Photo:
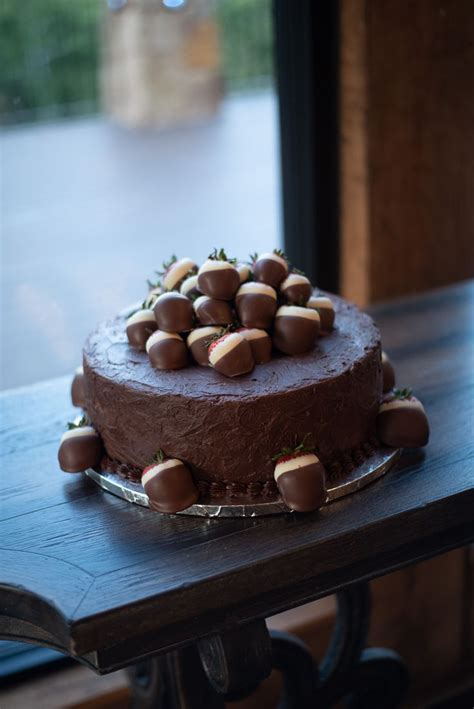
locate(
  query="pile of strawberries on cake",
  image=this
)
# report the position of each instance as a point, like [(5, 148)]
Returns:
[(228, 315)]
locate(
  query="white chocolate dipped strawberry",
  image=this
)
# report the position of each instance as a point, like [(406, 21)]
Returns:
[(153, 293), (139, 327), (260, 343), (296, 289), (177, 271), (402, 420), (167, 350), (231, 355), (388, 373), (80, 448), (174, 312), (198, 342), (189, 287), (256, 305), (295, 329), (77, 389), (218, 277), (169, 485), (325, 308), (210, 311), (243, 269), (270, 268), (301, 478)]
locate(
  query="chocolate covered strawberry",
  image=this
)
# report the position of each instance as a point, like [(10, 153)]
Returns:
[(166, 350), (256, 305), (80, 448), (260, 343), (402, 421), (169, 485), (388, 373), (174, 312), (301, 478), (325, 308), (77, 389), (189, 287), (244, 272), (231, 355), (210, 311), (153, 293), (296, 289), (218, 277), (198, 343), (139, 327), (176, 271), (270, 268), (295, 329)]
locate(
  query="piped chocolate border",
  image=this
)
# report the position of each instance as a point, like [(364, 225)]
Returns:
[(220, 489)]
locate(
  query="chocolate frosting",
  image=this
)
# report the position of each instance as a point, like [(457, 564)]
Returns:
[(228, 429)]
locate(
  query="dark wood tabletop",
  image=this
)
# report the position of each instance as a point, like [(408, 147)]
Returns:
[(109, 582)]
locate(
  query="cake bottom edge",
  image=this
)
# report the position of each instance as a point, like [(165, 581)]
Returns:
[(232, 492)]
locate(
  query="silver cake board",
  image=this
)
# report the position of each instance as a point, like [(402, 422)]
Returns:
[(371, 469)]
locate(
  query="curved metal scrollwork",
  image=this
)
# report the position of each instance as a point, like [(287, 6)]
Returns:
[(227, 667), (368, 678)]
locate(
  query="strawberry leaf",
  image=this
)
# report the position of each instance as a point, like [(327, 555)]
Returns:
[(405, 393)]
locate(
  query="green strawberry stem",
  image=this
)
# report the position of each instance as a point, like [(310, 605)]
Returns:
[(220, 255), (151, 284), (217, 335), (158, 457), (303, 447), (84, 421), (166, 265), (405, 393)]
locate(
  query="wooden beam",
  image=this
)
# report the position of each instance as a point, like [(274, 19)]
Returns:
[(407, 146)]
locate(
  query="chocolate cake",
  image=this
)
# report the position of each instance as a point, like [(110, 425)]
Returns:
[(274, 404), (227, 430)]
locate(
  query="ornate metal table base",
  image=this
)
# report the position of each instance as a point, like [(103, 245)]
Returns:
[(227, 667), (371, 469)]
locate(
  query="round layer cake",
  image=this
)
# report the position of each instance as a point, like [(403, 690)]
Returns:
[(228, 430)]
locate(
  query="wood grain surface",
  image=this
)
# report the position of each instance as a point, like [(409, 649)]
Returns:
[(407, 146), (109, 582)]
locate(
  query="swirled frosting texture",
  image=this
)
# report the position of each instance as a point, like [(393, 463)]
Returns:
[(228, 429)]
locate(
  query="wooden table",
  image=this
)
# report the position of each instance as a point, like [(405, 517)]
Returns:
[(110, 583)]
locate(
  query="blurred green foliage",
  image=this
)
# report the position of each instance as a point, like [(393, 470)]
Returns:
[(48, 58), (246, 38), (49, 54)]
